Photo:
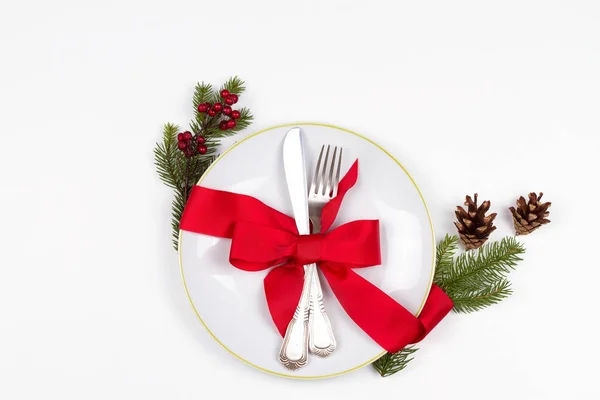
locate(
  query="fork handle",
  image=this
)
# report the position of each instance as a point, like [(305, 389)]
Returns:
[(294, 349), (321, 339)]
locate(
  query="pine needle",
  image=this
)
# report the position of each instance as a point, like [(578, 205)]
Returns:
[(391, 363)]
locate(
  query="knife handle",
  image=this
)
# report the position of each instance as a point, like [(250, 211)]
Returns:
[(321, 339), (294, 349)]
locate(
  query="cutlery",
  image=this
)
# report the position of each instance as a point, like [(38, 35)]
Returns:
[(323, 188), (294, 349)]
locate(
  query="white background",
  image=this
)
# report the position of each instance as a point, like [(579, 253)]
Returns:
[(499, 98)]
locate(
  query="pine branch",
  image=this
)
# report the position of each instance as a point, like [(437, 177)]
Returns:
[(195, 126), (177, 207), (482, 268), (164, 157), (203, 92), (476, 299), (181, 173), (444, 258), (170, 166), (209, 127), (234, 85), (199, 165), (473, 280), (242, 123), (391, 363), (190, 171)]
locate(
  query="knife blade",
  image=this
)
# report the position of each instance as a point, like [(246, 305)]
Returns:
[(294, 349), (295, 174)]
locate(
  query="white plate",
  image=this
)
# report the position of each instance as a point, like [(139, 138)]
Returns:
[(231, 304)]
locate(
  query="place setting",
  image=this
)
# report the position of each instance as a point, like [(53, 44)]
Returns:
[(307, 250)]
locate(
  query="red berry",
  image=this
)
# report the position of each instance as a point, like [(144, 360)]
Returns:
[(212, 112), (229, 100), (233, 97), (235, 114), (223, 125), (230, 124), (188, 152), (202, 149), (180, 137), (203, 107), (200, 139), (182, 145), (217, 107), (226, 110), (187, 135), (224, 93)]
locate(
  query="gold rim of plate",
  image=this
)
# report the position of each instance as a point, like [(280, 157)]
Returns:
[(432, 240)]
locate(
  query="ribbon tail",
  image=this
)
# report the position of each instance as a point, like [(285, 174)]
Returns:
[(382, 318), (283, 286), (437, 306), (377, 314)]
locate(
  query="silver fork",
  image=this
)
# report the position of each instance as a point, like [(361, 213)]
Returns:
[(323, 188)]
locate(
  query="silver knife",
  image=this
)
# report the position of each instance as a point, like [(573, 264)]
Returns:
[(294, 349)]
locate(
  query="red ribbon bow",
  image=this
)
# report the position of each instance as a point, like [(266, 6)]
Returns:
[(263, 237)]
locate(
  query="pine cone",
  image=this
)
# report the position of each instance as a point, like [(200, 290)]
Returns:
[(530, 215), (474, 227)]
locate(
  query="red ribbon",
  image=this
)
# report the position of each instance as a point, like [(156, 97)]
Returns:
[(263, 237)]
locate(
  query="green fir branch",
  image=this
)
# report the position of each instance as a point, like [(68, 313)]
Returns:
[(192, 169), (483, 267), (181, 173), (472, 300), (391, 363), (444, 258), (243, 122), (177, 207), (165, 157), (203, 92), (195, 126), (170, 165), (209, 126), (237, 86), (234, 85), (199, 165), (474, 280)]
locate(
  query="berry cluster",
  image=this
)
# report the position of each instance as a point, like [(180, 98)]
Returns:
[(214, 110), (191, 144)]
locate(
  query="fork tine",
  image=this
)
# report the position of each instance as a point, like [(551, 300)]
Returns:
[(315, 182), (337, 174), (330, 183), (323, 173)]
